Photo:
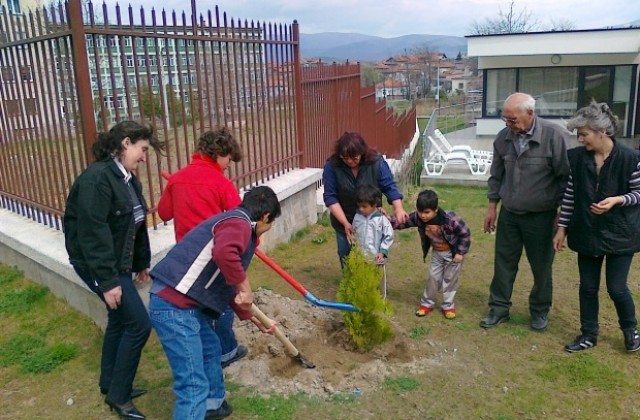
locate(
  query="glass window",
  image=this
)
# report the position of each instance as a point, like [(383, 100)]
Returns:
[(555, 89), (500, 84), (621, 88), (14, 7), (596, 85)]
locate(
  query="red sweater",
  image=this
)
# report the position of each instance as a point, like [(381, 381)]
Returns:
[(195, 193)]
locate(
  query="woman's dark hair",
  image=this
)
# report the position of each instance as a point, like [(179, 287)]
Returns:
[(109, 145), (219, 142), (369, 194), (352, 145), (427, 200), (259, 201)]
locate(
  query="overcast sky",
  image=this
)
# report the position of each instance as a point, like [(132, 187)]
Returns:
[(392, 18)]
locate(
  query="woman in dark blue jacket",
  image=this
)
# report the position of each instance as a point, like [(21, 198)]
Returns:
[(351, 165), (106, 239), (601, 216)]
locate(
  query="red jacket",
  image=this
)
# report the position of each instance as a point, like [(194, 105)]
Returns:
[(195, 193)]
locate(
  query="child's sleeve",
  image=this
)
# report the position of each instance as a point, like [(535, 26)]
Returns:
[(463, 233), (387, 237)]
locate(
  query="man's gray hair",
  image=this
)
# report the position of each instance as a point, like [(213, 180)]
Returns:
[(523, 101)]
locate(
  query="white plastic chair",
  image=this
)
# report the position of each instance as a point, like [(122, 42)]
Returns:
[(478, 154), (436, 162)]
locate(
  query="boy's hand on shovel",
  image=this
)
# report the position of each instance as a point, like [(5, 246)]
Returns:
[(244, 300), (262, 327)]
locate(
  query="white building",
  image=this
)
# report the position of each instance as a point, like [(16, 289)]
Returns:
[(562, 70)]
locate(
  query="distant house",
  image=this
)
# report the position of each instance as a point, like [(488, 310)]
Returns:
[(390, 89), (562, 70)]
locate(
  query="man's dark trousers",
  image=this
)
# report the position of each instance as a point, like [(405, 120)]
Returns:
[(534, 232)]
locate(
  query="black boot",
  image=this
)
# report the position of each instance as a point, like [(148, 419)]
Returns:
[(631, 339)]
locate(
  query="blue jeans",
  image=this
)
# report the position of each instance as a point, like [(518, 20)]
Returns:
[(344, 247), (223, 328), (193, 351), (616, 272), (128, 329)]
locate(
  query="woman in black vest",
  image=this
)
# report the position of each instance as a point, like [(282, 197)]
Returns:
[(601, 217), (106, 238), (353, 164)]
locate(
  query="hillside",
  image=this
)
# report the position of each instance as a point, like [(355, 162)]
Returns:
[(337, 46)]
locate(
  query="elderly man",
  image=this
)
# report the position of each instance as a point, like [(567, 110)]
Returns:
[(528, 174)]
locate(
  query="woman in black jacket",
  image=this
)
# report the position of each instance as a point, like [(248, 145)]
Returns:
[(106, 239), (601, 216)]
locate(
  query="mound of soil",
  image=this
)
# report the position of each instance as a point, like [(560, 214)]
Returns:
[(321, 337)]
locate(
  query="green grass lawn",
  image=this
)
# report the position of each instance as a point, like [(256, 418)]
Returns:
[(49, 353)]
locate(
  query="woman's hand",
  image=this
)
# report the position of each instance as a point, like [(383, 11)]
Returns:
[(142, 277), (401, 215), (606, 204), (348, 230), (113, 297), (558, 239)]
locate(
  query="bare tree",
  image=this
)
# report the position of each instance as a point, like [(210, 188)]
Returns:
[(561, 25), (510, 22)]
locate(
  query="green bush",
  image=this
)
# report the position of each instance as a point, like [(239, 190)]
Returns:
[(359, 286)]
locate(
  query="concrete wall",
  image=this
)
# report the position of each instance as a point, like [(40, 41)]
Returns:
[(39, 251)]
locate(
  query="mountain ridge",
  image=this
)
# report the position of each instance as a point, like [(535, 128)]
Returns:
[(340, 46)]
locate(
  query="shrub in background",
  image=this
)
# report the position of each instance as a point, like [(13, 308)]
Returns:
[(359, 286)]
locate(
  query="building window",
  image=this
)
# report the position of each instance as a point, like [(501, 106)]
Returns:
[(31, 106), (7, 74), (14, 7), (129, 61), (500, 84), (560, 91), (25, 73), (12, 107), (555, 89)]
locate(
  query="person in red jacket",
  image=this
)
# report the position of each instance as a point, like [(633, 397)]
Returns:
[(195, 193)]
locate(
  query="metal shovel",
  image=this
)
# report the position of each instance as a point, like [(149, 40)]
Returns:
[(292, 350)]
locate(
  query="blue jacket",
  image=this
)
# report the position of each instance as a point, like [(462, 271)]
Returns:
[(190, 269), (340, 185)]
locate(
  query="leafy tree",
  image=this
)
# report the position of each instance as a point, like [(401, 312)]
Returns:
[(150, 103), (369, 75), (459, 56), (369, 326)]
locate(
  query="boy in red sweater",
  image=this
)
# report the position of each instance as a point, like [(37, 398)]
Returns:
[(195, 193)]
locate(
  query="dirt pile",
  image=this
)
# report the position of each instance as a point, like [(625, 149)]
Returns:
[(321, 338)]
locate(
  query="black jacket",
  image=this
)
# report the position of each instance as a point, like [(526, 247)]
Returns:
[(616, 231), (99, 228)]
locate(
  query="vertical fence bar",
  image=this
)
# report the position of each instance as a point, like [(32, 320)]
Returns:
[(82, 76)]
